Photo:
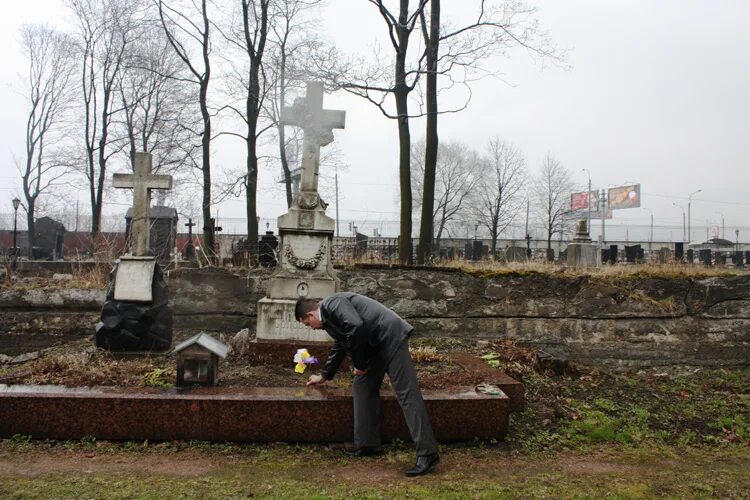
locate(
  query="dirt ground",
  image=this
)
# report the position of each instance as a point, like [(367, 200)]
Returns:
[(319, 471), (79, 363)]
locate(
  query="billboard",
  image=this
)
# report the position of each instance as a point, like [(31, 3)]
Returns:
[(580, 201), (624, 197)]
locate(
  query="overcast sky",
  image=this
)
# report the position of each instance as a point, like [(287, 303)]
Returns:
[(658, 92)]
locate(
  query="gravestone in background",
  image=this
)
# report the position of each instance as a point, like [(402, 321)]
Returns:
[(747, 257), (477, 252), (663, 255), (49, 239), (162, 231), (305, 232), (360, 245), (721, 258), (690, 256), (704, 256), (267, 250), (515, 254), (633, 253), (613, 254), (136, 314), (582, 252), (737, 259), (679, 250)]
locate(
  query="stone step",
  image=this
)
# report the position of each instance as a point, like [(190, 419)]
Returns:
[(270, 414)]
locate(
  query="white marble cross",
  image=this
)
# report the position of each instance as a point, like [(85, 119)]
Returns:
[(142, 181), (317, 124)]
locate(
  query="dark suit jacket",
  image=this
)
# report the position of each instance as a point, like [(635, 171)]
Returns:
[(361, 326)]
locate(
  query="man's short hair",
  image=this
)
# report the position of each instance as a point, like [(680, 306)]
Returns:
[(304, 306)]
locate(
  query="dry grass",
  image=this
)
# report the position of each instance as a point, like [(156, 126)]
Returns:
[(88, 278), (427, 354), (666, 271), (82, 364)]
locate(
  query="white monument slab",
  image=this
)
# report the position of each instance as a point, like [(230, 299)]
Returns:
[(134, 279)]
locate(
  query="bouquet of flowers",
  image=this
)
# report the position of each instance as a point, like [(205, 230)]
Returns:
[(303, 358)]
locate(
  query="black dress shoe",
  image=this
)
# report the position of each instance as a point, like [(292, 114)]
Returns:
[(364, 451), (424, 465)]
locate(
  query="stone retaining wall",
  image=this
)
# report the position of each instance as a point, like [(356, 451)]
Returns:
[(640, 321)]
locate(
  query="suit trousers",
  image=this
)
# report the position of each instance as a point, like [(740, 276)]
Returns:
[(366, 395)]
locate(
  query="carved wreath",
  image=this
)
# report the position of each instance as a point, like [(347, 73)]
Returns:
[(310, 263), (308, 202)]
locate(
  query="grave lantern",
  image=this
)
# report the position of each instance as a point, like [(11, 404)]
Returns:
[(198, 360)]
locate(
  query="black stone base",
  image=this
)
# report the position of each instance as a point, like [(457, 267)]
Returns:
[(131, 326)]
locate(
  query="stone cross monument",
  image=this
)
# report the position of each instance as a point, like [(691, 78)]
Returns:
[(141, 181), (136, 314), (305, 232)]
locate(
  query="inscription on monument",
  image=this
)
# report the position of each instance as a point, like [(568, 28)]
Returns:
[(306, 220)]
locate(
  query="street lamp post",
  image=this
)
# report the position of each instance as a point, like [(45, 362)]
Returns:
[(16, 204), (690, 196), (683, 219), (722, 224), (588, 201), (737, 236), (651, 232)]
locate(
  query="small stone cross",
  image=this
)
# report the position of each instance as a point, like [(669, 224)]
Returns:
[(317, 124), (141, 181), (190, 225)]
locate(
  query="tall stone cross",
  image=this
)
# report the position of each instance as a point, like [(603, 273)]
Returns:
[(142, 181), (317, 124)]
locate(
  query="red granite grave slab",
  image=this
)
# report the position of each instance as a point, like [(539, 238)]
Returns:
[(513, 388), (233, 414), (279, 352)]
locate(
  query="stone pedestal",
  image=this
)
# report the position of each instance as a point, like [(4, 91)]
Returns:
[(304, 270), (582, 252), (136, 315)]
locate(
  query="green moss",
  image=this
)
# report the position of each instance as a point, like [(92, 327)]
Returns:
[(159, 377)]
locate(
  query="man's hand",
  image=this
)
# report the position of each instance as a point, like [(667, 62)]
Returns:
[(360, 372), (315, 380)]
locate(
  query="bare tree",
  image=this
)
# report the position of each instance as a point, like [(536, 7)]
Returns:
[(188, 30), (48, 90), (456, 177), (157, 115), (291, 45), (551, 191), (372, 80), (454, 52), (498, 195), (431, 34), (105, 31)]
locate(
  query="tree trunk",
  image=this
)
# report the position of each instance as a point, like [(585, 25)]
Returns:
[(285, 165), (209, 245), (401, 94), (424, 248), (30, 225), (252, 170), (252, 109), (404, 141), (282, 132), (209, 242)]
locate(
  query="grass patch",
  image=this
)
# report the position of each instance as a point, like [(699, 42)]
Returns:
[(275, 471)]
